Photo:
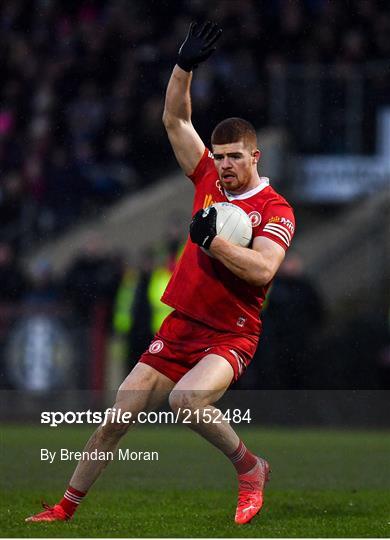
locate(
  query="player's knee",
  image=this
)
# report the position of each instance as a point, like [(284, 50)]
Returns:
[(138, 380), (182, 400)]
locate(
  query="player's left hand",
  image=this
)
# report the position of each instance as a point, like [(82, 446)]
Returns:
[(203, 227), (198, 45)]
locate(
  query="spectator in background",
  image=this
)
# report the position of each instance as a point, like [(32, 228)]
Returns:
[(137, 308), (92, 279), (148, 311), (294, 312), (141, 311)]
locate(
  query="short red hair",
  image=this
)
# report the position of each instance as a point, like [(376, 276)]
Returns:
[(234, 130)]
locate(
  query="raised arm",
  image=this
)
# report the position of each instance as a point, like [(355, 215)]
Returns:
[(186, 143)]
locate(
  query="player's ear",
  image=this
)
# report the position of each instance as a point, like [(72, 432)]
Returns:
[(256, 155)]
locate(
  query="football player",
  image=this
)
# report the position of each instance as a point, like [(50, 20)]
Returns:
[(206, 343)]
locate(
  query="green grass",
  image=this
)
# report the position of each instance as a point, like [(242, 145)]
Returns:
[(324, 484)]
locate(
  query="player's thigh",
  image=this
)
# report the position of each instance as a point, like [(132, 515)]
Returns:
[(205, 383), (144, 389)]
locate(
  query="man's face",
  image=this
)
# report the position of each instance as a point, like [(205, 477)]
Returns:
[(236, 165)]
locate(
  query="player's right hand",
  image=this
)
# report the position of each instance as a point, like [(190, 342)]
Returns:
[(203, 227), (198, 45)]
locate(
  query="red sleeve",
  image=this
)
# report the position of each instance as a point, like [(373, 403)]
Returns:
[(277, 224), (206, 161)]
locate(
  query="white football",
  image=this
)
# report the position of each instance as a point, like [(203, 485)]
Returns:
[(233, 224)]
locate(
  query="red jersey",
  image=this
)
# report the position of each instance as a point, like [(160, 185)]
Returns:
[(202, 287)]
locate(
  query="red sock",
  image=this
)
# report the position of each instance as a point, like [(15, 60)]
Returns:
[(72, 498), (242, 459)]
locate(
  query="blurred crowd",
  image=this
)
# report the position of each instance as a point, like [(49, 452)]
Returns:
[(83, 85)]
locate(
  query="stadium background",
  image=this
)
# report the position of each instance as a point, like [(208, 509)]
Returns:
[(93, 209)]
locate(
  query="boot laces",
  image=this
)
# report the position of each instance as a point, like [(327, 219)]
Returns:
[(246, 492)]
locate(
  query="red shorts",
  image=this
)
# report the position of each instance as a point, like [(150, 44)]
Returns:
[(182, 342)]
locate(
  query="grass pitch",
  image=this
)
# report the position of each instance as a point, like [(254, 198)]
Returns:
[(323, 484)]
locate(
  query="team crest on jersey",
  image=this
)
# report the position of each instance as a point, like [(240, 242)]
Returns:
[(255, 218), (156, 346), (241, 321)]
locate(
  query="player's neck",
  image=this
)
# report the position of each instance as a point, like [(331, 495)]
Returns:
[(255, 182)]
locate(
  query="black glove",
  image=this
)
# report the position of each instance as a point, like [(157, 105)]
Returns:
[(203, 227), (198, 45)]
